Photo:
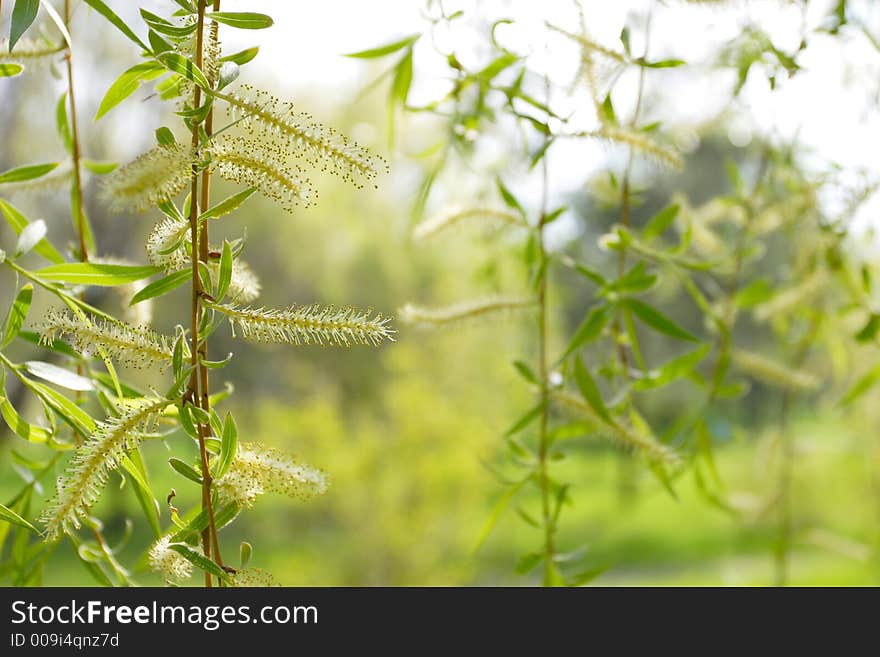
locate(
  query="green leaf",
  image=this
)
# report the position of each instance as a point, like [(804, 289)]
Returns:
[(508, 198), (186, 470), (245, 554), (402, 79), (863, 385), (225, 276), (134, 467), (228, 205), (660, 222), (24, 12), (12, 517), (589, 390), (69, 412), (387, 49), (19, 222), (528, 562), (27, 172), (62, 124), (656, 320), (17, 313), (127, 83), (199, 560), (243, 20), (108, 13), (496, 512), (162, 286), (21, 427), (58, 375), (527, 418), (673, 370), (32, 235), (10, 70), (98, 167), (180, 64), (228, 446), (589, 330), (526, 372), (87, 273), (666, 63), (241, 58)]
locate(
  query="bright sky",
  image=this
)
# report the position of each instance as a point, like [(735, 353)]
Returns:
[(832, 107)]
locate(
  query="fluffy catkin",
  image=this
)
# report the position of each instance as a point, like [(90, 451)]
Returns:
[(463, 311), (135, 346), (154, 177), (258, 469), (84, 478), (320, 146), (324, 325), (162, 559)]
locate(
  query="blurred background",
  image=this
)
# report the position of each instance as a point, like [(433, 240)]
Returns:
[(407, 431)]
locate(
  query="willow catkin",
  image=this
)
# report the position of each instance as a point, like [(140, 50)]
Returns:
[(464, 311), (84, 478), (322, 147), (324, 325), (257, 469), (154, 177), (132, 345)]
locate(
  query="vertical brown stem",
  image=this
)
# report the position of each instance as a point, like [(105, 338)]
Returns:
[(208, 535), (203, 256), (77, 172)]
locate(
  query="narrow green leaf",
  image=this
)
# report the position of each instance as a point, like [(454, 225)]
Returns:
[(186, 470), (21, 427), (108, 13), (241, 58), (24, 12), (228, 205), (161, 286), (19, 222), (58, 375), (526, 372), (87, 273), (863, 385), (656, 320), (590, 391), (17, 313), (387, 49), (496, 512), (29, 172), (179, 64), (660, 222), (228, 446), (62, 124), (589, 330), (243, 20), (199, 560), (10, 70), (127, 83), (12, 517)]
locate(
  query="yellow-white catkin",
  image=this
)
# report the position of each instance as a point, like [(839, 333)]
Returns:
[(641, 143), (28, 50), (262, 164), (86, 475), (257, 469), (773, 373), (154, 177), (162, 559), (322, 147), (324, 325), (440, 223), (132, 345), (792, 297), (463, 311), (165, 245)]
